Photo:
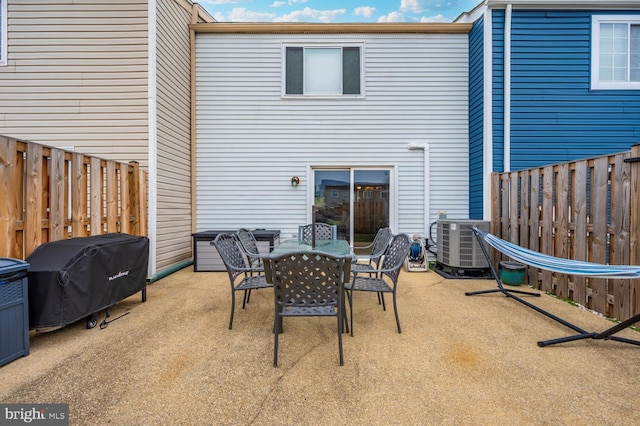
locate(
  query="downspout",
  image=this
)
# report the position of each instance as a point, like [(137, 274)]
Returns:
[(427, 207), (487, 133), (507, 90), (153, 135)]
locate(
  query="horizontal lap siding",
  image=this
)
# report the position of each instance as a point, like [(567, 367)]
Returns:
[(77, 76), (476, 117), (250, 141), (174, 133), (555, 115)]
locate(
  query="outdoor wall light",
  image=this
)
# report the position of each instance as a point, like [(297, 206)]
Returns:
[(295, 181)]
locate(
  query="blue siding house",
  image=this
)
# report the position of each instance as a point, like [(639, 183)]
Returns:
[(549, 82)]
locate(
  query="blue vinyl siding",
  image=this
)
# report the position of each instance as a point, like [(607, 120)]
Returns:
[(555, 117), (476, 117)]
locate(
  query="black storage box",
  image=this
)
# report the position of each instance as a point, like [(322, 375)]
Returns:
[(75, 278), (14, 310), (206, 257)]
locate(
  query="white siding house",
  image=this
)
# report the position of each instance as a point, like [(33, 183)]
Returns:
[(108, 78), (410, 118)]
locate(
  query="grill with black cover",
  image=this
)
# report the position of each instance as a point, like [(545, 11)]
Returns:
[(73, 279)]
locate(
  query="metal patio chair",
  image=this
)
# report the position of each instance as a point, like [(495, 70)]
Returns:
[(241, 276), (250, 246), (308, 283), (386, 280), (378, 248), (324, 231)]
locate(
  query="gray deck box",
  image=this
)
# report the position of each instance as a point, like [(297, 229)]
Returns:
[(206, 257), (14, 310)]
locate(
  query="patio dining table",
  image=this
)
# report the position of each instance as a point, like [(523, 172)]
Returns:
[(335, 247)]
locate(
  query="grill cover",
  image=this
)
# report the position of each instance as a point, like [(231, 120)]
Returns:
[(72, 279)]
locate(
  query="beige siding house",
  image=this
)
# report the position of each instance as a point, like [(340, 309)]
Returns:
[(110, 79)]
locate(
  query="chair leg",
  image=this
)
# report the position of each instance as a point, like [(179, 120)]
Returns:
[(340, 335), (395, 311), (245, 298), (381, 296), (276, 333), (233, 305), (349, 298)]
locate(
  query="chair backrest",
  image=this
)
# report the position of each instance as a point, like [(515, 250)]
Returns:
[(307, 279), (249, 244), (380, 244), (229, 250), (324, 231), (395, 255)]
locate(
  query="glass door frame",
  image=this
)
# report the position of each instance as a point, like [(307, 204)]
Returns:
[(393, 191)]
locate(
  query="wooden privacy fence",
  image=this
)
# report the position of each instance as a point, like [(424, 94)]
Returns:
[(49, 194), (584, 210)]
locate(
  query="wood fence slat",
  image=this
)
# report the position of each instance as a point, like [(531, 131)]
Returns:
[(125, 204), (56, 195), (112, 198), (11, 204), (619, 251), (579, 210), (95, 191), (79, 194), (634, 227), (514, 232), (562, 225), (534, 223), (505, 195), (524, 207), (546, 236), (598, 249), (33, 202)]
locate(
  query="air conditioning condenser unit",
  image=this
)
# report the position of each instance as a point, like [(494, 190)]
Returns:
[(459, 252)]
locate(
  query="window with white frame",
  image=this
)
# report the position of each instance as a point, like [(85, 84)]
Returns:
[(615, 52), (3, 32), (323, 71)]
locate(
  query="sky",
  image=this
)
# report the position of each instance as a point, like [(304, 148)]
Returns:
[(330, 11)]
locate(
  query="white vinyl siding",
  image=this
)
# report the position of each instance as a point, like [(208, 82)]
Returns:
[(251, 141), (173, 134), (76, 76)]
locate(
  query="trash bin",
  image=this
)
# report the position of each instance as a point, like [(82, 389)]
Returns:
[(14, 310), (512, 273)]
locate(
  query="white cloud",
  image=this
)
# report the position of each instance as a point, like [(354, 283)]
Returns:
[(307, 13), (225, 1), (436, 18), (365, 11), (240, 14), (414, 6), (278, 4), (297, 1), (392, 17)]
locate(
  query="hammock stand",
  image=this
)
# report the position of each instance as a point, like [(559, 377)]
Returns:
[(567, 266)]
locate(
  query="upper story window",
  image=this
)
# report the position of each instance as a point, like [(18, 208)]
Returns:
[(323, 71), (615, 52), (3, 32)]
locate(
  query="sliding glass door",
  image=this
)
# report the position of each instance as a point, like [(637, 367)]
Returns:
[(354, 199)]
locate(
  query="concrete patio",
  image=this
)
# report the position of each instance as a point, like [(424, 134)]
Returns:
[(459, 360)]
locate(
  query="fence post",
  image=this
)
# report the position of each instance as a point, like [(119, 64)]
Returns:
[(634, 238), (9, 212)]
